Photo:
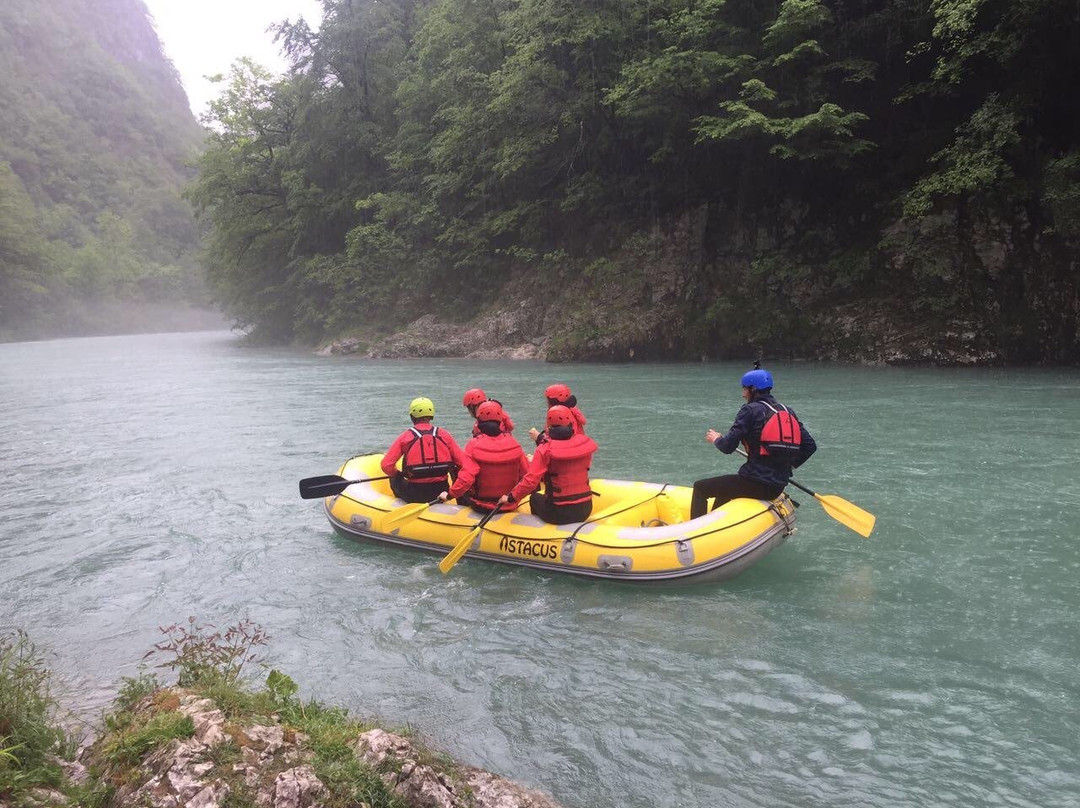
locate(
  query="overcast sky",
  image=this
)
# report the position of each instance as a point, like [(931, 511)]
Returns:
[(204, 37)]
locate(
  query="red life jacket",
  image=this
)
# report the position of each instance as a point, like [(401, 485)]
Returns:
[(499, 461), (567, 478), (781, 436), (427, 458)]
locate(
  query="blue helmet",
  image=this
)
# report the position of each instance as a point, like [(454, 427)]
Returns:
[(758, 379)]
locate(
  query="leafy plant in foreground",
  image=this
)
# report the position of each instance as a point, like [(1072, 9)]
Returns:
[(201, 654), (27, 734)]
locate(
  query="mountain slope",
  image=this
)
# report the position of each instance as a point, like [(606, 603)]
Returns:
[(96, 143)]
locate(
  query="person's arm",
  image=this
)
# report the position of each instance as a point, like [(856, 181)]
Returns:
[(466, 475), (730, 440), (390, 459), (579, 419), (456, 455), (523, 464), (535, 473), (807, 447)]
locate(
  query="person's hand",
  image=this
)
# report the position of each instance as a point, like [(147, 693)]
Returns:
[(445, 495), (505, 498), (534, 432), (712, 435)]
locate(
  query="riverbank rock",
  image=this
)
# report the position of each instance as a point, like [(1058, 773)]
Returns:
[(422, 784), (341, 347), (665, 295), (877, 333), (507, 333), (223, 762)]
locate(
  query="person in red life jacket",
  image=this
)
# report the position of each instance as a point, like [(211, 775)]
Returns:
[(428, 454), (497, 462), (559, 394), (562, 462), (776, 442), (473, 399)]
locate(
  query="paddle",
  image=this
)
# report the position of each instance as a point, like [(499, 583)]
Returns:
[(455, 555), (844, 512), (406, 513), (328, 485)]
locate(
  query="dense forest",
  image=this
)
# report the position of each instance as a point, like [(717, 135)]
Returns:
[(96, 144), (669, 177)]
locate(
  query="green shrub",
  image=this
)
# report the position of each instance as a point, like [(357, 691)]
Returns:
[(200, 654), (127, 746), (27, 734), (134, 689)]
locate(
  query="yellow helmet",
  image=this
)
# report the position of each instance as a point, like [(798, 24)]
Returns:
[(422, 408)]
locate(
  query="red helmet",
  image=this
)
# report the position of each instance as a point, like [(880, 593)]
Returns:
[(489, 411), (559, 392), (474, 397), (560, 416)]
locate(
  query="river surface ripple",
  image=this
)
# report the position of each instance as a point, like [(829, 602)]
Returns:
[(145, 479)]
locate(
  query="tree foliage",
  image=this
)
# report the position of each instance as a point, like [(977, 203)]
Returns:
[(422, 153)]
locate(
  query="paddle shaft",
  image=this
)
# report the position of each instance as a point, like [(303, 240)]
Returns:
[(328, 485), (846, 513)]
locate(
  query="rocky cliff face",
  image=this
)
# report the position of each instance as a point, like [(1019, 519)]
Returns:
[(649, 302)]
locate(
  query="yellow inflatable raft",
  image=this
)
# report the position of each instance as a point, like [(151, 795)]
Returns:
[(637, 531)]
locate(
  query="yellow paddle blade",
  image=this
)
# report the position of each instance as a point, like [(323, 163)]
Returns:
[(400, 516), (455, 555), (852, 516)]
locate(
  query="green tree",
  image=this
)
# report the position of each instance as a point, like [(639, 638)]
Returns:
[(24, 268)]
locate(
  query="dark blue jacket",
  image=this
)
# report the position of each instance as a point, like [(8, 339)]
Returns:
[(749, 422)]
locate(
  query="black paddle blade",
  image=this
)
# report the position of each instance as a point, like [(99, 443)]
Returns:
[(325, 486)]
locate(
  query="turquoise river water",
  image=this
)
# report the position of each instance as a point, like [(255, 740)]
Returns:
[(145, 479)]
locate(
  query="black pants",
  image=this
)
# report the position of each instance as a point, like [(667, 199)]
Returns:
[(727, 488), (416, 492), (559, 514)]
